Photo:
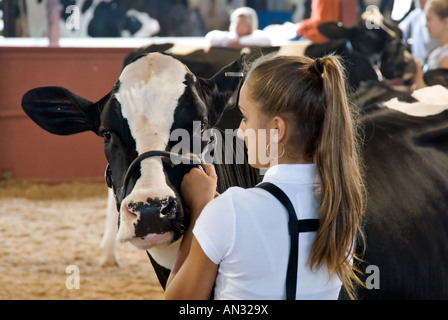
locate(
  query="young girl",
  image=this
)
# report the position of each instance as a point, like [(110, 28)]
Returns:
[(437, 25), (238, 243)]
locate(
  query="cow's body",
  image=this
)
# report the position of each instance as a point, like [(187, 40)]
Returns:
[(406, 220)]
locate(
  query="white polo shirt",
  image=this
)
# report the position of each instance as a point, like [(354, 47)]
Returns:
[(245, 231)]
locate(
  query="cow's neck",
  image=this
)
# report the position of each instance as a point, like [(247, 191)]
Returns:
[(166, 256), (374, 59)]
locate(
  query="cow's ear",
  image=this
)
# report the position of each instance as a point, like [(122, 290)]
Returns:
[(333, 30), (221, 91), (60, 111)]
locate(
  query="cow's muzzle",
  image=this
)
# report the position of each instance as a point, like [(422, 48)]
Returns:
[(152, 216), (148, 219), (152, 220)]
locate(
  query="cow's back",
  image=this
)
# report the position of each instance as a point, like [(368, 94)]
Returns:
[(406, 161)]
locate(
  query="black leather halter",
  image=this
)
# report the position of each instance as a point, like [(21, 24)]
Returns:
[(120, 192)]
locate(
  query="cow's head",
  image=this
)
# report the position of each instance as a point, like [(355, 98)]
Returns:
[(377, 40), (154, 95)]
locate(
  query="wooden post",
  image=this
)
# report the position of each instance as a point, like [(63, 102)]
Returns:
[(9, 19), (54, 16)]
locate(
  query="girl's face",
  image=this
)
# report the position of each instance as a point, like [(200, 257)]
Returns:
[(437, 27), (257, 132)]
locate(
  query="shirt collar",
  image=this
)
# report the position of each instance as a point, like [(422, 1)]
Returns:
[(296, 173)]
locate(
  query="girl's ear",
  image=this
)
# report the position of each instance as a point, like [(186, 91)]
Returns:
[(281, 126)]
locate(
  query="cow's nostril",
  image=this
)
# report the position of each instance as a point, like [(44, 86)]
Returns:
[(129, 212), (133, 207), (169, 206)]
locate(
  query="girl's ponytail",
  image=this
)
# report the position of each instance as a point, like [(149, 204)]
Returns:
[(339, 169)]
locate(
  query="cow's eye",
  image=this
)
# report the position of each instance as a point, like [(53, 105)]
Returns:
[(203, 126), (107, 136)]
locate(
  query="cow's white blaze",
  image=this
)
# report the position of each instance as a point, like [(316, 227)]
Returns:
[(149, 93), (431, 100)]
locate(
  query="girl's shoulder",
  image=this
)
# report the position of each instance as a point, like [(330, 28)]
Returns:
[(238, 192), (238, 197)]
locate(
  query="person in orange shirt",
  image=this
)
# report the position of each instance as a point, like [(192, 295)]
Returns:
[(321, 11)]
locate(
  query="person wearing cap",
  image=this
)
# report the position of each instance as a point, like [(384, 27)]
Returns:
[(243, 31)]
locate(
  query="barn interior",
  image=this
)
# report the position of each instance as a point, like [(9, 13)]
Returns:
[(55, 43), (41, 45)]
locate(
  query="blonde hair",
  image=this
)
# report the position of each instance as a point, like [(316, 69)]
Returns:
[(311, 96), (439, 7)]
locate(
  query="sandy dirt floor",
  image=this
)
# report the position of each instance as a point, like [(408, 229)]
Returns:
[(46, 228)]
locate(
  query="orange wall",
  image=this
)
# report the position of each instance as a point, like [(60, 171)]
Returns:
[(26, 150)]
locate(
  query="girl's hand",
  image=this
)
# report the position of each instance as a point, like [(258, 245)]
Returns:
[(198, 188)]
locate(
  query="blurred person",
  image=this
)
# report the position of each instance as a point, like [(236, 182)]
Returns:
[(415, 33), (243, 31), (321, 11), (437, 24)]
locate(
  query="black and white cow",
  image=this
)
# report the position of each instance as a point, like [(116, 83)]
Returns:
[(111, 18), (370, 51), (90, 18), (370, 93), (406, 158), (154, 95)]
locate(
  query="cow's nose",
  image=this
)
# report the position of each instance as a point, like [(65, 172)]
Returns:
[(156, 208), (153, 216)]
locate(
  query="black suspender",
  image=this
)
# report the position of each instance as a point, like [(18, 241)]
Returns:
[(295, 227)]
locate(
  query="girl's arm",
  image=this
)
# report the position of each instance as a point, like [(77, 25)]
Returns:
[(419, 83), (193, 278)]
